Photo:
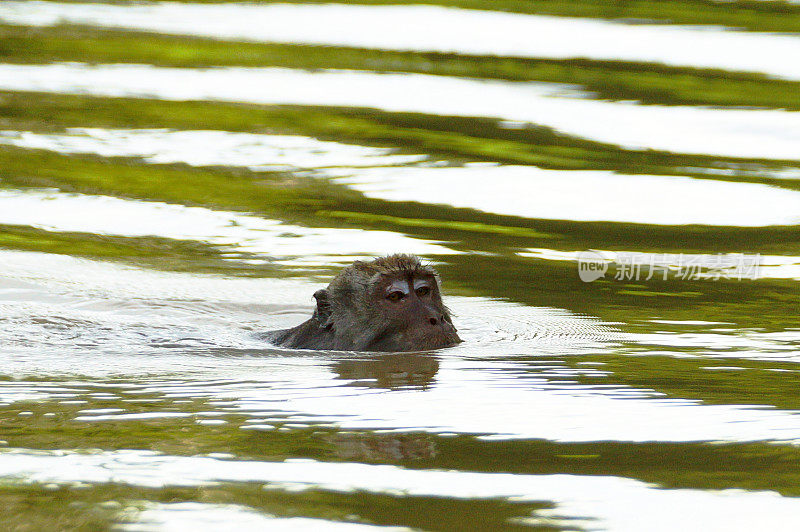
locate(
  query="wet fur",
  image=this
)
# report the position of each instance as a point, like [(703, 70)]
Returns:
[(346, 317)]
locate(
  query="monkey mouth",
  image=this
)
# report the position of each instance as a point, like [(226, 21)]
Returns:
[(437, 339), (439, 342), (392, 341)]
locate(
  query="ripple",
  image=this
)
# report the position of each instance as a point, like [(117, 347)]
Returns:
[(768, 134), (279, 242), (506, 381), (603, 502), (181, 516), (209, 148), (515, 190), (583, 195), (437, 29)]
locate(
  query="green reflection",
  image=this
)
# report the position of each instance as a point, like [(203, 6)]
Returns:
[(757, 15), (651, 83), (154, 252), (100, 507), (693, 465), (448, 138), (490, 266)]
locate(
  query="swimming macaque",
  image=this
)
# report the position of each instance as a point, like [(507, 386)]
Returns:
[(389, 304)]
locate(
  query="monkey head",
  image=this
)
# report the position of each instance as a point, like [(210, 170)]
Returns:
[(392, 303)]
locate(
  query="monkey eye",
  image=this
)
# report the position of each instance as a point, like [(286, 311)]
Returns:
[(423, 291), (395, 296)]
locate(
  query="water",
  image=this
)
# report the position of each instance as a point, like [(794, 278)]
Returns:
[(435, 29), (749, 133), (166, 198)]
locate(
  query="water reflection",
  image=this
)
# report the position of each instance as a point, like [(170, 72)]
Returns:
[(273, 240), (512, 190), (370, 447), (393, 371), (145, 398), (606, 502), (506, 385), (730, 132), (479, 386), (537, 193), (432, 28), (210, 148), (181, 516)]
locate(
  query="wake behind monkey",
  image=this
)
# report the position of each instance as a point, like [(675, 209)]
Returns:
[(392, 303)]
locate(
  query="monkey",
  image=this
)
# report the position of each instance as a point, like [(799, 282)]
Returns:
[(389, 370), (392, 303)]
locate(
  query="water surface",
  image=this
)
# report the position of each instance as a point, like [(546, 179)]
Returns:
[(765, 134), (434, 29), (177, 178)]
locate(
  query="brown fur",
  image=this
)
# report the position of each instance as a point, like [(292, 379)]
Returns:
[(351, 313)]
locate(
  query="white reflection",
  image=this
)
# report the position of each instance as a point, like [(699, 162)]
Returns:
[(182, 516), (502, 400), (584, 195), (729, 132), (516, 190), (600, 503), (209, 148), (438, 29), (283, 243)]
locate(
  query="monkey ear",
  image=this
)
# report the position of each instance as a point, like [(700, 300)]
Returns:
[(323, 311)]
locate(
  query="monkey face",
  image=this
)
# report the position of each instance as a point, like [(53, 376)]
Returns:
[(390, 304), (413, 315)]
